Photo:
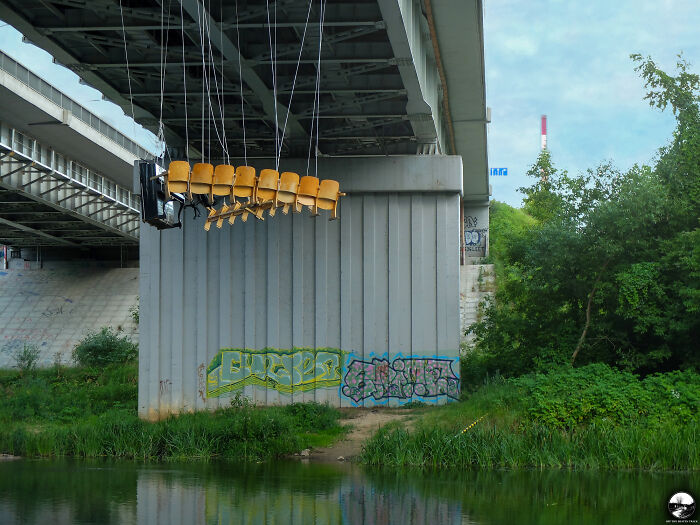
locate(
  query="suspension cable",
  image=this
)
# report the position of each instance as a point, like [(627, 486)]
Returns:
[(296, 71), (240, 78), (318, 82), (128, 72), (273, 68), (184, 82)]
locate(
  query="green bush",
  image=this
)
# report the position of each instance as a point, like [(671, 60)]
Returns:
[(314, 416), (569, 397), (103, 348), (26, 359)]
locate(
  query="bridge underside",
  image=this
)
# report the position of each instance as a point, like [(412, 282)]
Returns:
[(383, 79)]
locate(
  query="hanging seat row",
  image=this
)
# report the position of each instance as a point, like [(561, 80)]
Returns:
[(269, 191)]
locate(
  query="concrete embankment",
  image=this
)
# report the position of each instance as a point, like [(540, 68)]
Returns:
[(53, 309)]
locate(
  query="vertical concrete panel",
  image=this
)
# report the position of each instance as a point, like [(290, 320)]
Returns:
[(177, 373), (265, 309), (394, 281), (308, 224), (403, 305), (273, 296), (321, 298), (381, 274), (284, 243), (368, 279), (250, 298), (297, 290), (418, 309), (347, 290), (167, 359), (149, 326), (194, 358)]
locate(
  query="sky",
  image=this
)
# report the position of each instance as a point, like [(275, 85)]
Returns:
[(570, 60), (564, 58)]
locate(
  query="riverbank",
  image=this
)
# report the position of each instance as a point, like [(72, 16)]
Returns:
[(592, 417), (92, 412)]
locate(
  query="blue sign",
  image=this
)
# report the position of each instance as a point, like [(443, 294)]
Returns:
[(499, 172)]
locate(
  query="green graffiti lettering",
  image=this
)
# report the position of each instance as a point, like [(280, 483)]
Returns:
[(287, 371)]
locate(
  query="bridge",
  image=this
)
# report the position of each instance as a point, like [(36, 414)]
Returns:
[(386, 96), (62, 169)]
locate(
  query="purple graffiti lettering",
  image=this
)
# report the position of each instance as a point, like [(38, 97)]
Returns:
[(402, 379)]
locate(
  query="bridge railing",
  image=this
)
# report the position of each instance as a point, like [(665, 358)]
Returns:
[(36, 83), (44, 175)]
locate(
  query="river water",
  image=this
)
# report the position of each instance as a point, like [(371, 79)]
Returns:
[(105, 492)]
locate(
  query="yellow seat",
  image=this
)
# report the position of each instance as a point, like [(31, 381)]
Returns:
[(267, 186), (244, 184), (201, 179), (177, 178), (224, 176), (328, 195), (266, 191), (287, 194), (307, 194)]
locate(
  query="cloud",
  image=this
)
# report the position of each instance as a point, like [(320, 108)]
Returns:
[(570, 60)]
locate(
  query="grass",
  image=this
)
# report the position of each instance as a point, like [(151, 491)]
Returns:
[(520, 429), (91, 412)]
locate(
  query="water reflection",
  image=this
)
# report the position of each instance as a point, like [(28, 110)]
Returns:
[(33, 492)]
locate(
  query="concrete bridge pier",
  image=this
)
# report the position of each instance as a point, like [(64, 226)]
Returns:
[(361, 311)]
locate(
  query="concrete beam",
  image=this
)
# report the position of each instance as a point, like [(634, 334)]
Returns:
[(392, 174), (412, 49)]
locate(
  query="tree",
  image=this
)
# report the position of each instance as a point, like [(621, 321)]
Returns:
[(611, 270), (541, 199)]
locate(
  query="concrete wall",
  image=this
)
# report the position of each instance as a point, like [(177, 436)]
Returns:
[(354, 312), (54, 309), (476, 229), (476, 283)]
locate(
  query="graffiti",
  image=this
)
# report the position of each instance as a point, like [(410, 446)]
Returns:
[(165, 385), (53, 312), (403, 378), (475, 242), (470, 221), (201, 382), (472, 237), (287, 371)]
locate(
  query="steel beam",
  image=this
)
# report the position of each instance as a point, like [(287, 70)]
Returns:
[(22, 227), (406, 27), (226, 47)]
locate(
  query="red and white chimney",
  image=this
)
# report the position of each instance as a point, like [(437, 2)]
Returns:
[(543, 127)]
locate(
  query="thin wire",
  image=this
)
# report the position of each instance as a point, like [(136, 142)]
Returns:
[(291, 96), (318, 83), (128, 73), (163, 65), (200, 24), (315, 108), (223, 104), (273, 68), (184, 82), (218, 94), (240, 78)]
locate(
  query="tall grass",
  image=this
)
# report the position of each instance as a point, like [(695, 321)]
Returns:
[(593, 417), (91, 412), (539, 446), (236, 433)]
